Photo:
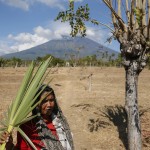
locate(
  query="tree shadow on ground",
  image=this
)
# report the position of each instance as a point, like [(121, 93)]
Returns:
[(117, 115)]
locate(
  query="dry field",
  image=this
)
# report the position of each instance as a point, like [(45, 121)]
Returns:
[(97, 117)]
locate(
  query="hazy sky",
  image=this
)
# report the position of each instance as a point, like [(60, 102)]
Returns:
[(27, 23)]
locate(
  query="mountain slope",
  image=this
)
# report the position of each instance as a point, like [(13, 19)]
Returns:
[(63, 49)]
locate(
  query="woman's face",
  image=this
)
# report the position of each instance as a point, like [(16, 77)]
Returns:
[(48, 103)]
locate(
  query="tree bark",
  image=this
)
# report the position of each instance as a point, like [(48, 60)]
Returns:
[(131, 106)]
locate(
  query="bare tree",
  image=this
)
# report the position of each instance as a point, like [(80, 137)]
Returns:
[(133, 34)]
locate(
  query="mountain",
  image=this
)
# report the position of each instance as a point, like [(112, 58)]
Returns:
[(63, 48)]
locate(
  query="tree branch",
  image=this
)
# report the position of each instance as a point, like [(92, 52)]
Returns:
[(148, 33), (119, 8), (128, 13), (132, 16), (144, 18), (106, 26), (121, 22), (114, 19)]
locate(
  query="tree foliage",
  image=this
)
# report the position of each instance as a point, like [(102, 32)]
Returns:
[(76, 18), (55, 61)]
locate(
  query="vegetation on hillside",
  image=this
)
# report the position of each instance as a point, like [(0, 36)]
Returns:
[(72, 60), (103, 60)]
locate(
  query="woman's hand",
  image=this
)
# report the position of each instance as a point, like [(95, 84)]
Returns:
[(6, 137)]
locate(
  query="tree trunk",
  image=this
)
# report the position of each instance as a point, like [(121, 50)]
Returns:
[(131, 106)]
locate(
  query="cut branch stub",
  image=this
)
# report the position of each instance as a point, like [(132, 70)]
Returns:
[(131, 50)]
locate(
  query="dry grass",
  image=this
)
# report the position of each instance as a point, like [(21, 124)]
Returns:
[(97, 118)]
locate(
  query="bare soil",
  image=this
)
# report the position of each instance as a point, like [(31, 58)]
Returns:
[(96, 116)]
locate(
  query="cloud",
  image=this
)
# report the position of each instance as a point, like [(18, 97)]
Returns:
[(41, 32), (40, 35), (98, 35), (24, 41), (26, 4), (56, 3), (17, 3), (53, 3), (4, 48), (78, 0)]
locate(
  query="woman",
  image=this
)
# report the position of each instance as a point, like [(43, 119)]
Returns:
[(49, 130)]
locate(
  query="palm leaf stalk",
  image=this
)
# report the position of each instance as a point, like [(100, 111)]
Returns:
[(19, 110)]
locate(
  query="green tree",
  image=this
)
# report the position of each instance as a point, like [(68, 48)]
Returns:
[(2, 62), (15, 62), (118, 61), (38, 60), (55, 61), (131, 29)]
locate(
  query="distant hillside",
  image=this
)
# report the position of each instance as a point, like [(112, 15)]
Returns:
[(63, 48)]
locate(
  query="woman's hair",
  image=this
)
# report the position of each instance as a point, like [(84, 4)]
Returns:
[(46, 89)]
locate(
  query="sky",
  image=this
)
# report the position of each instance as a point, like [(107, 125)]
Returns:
[(28, 23)]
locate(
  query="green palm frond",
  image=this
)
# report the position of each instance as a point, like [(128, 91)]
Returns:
[(19, 110)]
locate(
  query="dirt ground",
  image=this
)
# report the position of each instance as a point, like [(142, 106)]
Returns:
[(95, 113)]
